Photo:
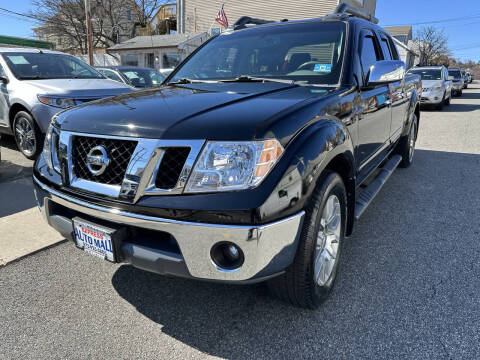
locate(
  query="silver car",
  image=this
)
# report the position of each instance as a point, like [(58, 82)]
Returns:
[(37, 84), (436, 85), (457, 81)]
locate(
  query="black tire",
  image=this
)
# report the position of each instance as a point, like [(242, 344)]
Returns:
[(460, 93), (297, 285), (27, 135), (447, 101), (440, 104), (405, 147)]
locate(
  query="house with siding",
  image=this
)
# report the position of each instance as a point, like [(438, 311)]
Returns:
[(199, 15), (196, 22)]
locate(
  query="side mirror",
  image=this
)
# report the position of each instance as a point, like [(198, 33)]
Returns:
[(386, 71), (3, 79), (450, 78)]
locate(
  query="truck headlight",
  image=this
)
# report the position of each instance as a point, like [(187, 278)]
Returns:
[(228, 165), (57, 101)]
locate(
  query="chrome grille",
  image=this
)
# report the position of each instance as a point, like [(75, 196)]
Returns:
[(171, 167), (119, 152)]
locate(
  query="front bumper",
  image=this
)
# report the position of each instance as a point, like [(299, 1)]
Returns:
[(268, 249), (431, 98)]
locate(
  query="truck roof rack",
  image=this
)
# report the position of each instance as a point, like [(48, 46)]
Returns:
[(245, 20), (344, 10)]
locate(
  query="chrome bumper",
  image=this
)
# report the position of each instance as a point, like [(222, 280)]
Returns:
[(268, 249)]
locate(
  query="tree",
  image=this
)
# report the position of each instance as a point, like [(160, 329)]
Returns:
[(431, 45), (65, 20)]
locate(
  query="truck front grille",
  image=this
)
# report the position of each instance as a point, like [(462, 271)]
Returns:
[(171, 167), (119, 153)]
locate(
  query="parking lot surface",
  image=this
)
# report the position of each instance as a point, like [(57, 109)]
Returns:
[(408, 287)]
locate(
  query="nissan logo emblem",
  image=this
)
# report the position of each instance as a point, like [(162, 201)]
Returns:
[(97, 160)]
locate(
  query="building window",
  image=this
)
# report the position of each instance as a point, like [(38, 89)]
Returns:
[(129, 15), (170, 60), (129, 59)]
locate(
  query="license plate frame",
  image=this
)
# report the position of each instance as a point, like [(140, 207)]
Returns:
[(94, 239)]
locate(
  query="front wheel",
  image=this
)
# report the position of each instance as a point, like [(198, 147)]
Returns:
[(308, 281), (27, 135), (447, 100)]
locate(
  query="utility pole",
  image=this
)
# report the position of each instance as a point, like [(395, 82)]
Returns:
[(89, 32)]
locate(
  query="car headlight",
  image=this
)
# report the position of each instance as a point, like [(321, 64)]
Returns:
[(228, 165), (56, 101), (50, 148)]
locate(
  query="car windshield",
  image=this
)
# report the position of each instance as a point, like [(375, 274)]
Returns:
[(455, 73), (143, 78), (33, 66), (428, 74), (308, 52)]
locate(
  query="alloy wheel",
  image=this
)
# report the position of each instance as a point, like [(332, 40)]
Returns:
[(25, 136), (328, 238)]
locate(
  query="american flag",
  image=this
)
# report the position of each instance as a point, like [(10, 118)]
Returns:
[(221, 18)]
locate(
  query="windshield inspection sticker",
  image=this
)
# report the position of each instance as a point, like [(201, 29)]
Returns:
[(324, 68)]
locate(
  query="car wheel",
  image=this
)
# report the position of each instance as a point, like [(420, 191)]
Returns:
[(308, 281), (406, 146), (460, 93), (440, 104), (447, 100), (27, 135)]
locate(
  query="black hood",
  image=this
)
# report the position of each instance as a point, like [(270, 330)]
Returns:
[(219, 111)]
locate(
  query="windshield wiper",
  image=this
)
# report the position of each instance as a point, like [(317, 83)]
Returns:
[(33, 77), (248, 78), (189, 81)]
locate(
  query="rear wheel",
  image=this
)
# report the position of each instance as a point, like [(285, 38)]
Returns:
[(447, 100), (27, 135), (406, 146), (460, 93), (308, 281), (440, 104)]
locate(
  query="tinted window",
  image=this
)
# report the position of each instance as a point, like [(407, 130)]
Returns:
[(385, 49), (393, 49), (369, 53), (111, 75), (143, 78), (309, 52), (455, 73), (428, 74), (48, 66)]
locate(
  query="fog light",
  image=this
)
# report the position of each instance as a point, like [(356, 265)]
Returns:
[(227, 256)]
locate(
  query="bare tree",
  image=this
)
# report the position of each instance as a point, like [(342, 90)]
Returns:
[(431, 45), (65, 19)]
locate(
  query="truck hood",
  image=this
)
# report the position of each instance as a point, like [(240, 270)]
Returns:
[(78, 88), (220, 111)]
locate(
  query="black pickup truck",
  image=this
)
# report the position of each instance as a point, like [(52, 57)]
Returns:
[(250, 164)]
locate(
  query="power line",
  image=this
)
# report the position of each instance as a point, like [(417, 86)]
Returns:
[(439, 21)]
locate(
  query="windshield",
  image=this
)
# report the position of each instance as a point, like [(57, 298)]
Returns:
[(143, 78), (455, 73), (428, 74), (311, 52), (48, 66)]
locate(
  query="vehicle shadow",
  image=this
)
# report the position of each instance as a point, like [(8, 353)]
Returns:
[(16, 195), (453, 107), (393, 264)]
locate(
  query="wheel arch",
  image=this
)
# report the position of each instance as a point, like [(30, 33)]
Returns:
[(16, 108)]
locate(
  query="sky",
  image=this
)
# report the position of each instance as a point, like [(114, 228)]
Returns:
[(462, 27)]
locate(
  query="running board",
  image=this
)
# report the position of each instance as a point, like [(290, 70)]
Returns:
[(368, 194)]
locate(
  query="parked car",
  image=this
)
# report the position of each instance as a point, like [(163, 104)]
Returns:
[(469, 77), (39, 83), (465, 79), (436, 85), (457, 81), (137, 77), (239, 171)]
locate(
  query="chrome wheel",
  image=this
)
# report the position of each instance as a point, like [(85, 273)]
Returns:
[(411, 141), (25, 136), (328, 238)]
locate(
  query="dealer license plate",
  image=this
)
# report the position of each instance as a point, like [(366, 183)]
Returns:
[(94, 240)]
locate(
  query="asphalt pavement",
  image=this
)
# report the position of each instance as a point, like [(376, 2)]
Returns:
[(408, 287)]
